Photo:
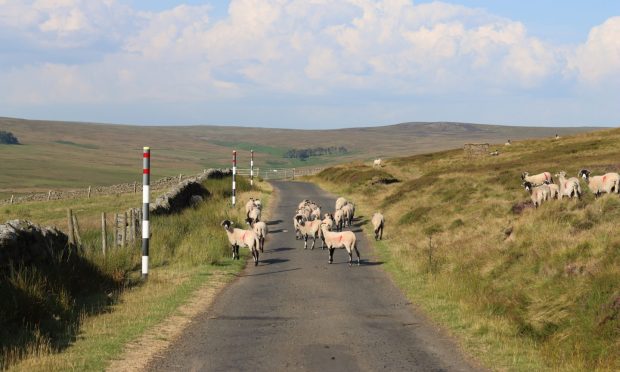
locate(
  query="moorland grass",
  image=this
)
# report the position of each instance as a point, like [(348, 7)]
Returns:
[(521, 291), (78, 314)]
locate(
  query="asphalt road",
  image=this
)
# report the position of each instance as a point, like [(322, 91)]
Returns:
[(295, 312)]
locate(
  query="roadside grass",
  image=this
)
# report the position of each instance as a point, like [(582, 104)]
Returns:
[(80, 316), (521, 291)]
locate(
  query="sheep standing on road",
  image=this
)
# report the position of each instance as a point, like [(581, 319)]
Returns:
[(340, 202), (537, 193), (339, 219), (537, 179), (310, 228), (569, 187), (345, 239), (349, 213), (377, 223), (249, 205), (254, 214), (241, 238), (260, 229), (607, 183)]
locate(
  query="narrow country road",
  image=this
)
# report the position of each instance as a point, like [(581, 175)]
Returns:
[(295, 312)]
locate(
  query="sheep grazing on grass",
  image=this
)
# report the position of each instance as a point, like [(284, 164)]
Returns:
[(377, 223), (508, 143), (260, 229), (339, 219), (241, 238), (537, 193), (310, 228), (377, 163), (340, 202), (254, 214), (554, 190), (607, 183), (345, 239), (537, 179), (568, 187)]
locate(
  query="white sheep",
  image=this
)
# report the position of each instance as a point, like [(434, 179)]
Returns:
[(329, 219), (254, 214), (345, 239), (339, 219), (538, 194), (377, 163), (377, 223), (537, 179), (260, 229), (340, 202), (607, 183), (508, 143), (310, 228), (249, 205), (258, 204), (349, 213), (316, 213), (554, 190), (303, 203), (568, 187), (241, 238)]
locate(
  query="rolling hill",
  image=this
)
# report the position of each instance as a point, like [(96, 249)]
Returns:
[(65, 155)]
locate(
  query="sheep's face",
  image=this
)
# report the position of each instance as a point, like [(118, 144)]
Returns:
[(248, 221), (527, 185), (227, 224), (299, 219), (584, 173), (523, 175)]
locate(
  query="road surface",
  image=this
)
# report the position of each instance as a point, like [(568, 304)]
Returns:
[(295, 312)]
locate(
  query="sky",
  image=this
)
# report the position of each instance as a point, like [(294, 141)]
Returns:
[(311, 64)]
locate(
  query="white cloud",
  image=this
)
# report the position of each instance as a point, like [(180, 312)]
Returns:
[(598, 59)]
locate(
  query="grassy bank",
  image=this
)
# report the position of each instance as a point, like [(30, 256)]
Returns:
[(79, 315), (522, 289)]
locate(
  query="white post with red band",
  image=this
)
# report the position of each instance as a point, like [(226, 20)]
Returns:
[(146, 178), (251, 167), (234, 176)]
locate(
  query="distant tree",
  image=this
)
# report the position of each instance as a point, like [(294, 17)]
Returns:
[(7, 138), (304, 154)]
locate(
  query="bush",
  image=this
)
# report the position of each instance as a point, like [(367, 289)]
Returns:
[(7, 138)]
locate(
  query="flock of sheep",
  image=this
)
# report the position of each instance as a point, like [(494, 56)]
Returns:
[(308, 223), (542, 186)]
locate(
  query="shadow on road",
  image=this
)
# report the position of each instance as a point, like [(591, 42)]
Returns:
[(271, 272), (272, 261), (282, 249), (276, 231), (274, 222)]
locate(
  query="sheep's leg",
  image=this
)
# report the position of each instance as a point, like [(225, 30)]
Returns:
[(256, 257), (262, 244), (306, 241), (357, 252), (313, 242), (331, 255), (237, 251), (232, 246), (381, 233), (350, 251)]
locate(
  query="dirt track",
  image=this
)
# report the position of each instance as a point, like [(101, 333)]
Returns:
[(296, 312)]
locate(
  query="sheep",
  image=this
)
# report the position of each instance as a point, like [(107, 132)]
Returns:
[(345, 239), (249, 205), (537, 179), (607, 183), (296, 226), (260, 229), (537, 193), (377, 223), (508, 143), (310, 228), (258, 204), (241, 238), (254, 214), (554, 189), (303, 203), (316, 213), (349, 213), (568, 187), (329, 219), (340, 202), (377, 163), (339, 219)]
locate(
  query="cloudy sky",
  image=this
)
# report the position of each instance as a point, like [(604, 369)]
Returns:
[(311, 63)]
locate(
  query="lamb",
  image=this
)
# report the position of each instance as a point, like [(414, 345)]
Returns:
[(339, 219), (309, 228), (377, 223), (249, 205), (569, 187), (345, 239), (537, 179), (607, 183), (254, 214), (260, 229), (340, 202), (554, 189), (241, 238), (537, 193)]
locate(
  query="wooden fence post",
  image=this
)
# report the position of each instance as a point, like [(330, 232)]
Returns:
[(49, 195), (115, 230), (104, 234), (88, 192), (12, 197), (70, 223), (132, 226), (123, 229), (76, 231), (134, 187)]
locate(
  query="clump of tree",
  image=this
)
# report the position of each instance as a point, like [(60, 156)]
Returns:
[(7, 138), (304, 154)]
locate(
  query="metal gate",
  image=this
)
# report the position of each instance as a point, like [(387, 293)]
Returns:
[(279, 173)]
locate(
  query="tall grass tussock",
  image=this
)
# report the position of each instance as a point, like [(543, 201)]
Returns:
[(521, 288)]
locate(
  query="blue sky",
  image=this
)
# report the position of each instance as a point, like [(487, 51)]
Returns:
[(311, 64)]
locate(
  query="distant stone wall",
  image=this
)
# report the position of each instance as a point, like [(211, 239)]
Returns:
[(476, 149), (24, 243)]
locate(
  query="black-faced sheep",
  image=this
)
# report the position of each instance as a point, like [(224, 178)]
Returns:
[(260, 229), (537, 193), (345, 239), (607, 183), (309, 229), (241, 238)]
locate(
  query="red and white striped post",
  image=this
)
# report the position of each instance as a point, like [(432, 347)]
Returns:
[(234, 176), (252, 168), (146, 178)]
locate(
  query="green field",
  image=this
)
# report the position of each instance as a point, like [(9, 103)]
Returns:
[(537, 289), (60, 155)]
